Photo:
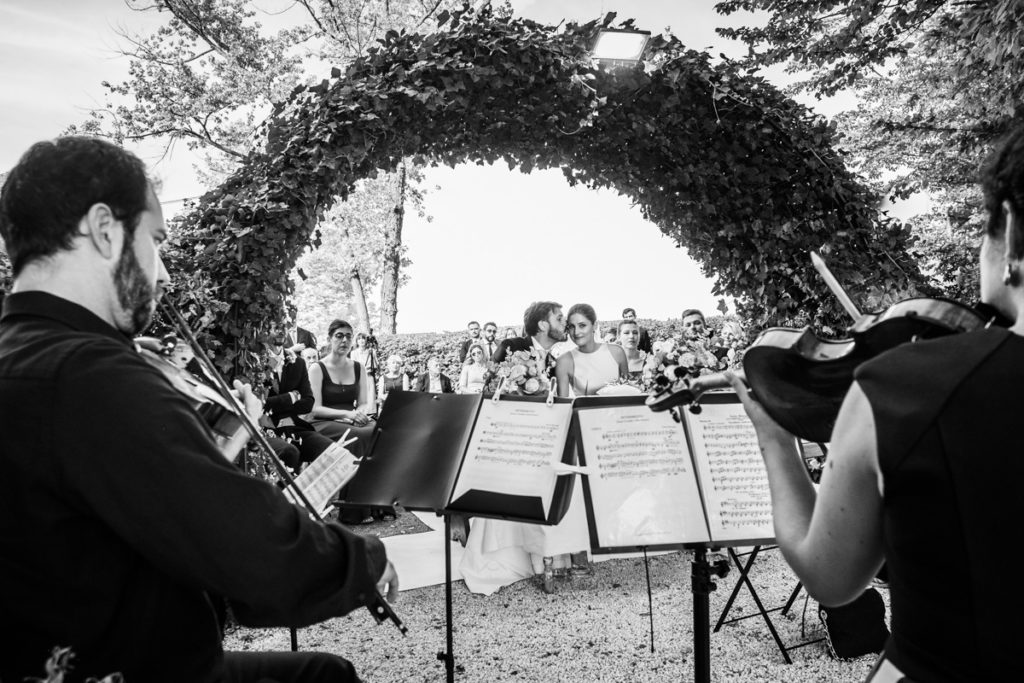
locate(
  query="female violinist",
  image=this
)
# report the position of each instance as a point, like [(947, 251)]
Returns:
[(924, 474)]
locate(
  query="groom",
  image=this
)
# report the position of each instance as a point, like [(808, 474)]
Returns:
[(544, 326)]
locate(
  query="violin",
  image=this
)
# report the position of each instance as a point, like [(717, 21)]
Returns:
[(220, 404), (801, 379), (217, 412)]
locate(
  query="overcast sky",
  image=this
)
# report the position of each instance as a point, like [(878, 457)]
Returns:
[(595, 246)]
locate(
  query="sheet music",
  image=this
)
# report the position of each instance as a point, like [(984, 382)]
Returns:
[(732, 473), (513, 448), (324, 477), (643, 489)]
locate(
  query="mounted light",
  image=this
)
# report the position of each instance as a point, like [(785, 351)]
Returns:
[(620, 47)]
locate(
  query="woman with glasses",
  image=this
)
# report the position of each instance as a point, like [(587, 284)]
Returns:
[(474, 371), (343, 400)]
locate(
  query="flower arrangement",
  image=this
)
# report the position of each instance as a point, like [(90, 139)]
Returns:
[(520, 373), (694, 356), (621, 387)]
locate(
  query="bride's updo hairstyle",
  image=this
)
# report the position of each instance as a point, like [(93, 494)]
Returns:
[(1002, 180), (586, 310)]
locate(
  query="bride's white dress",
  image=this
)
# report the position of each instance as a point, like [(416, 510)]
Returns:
[(499, 553)]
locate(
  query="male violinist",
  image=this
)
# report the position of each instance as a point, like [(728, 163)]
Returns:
[(118, 513)]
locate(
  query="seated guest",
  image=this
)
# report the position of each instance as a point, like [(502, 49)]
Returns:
[(644, 344), (474, 338), (310, 356), (629, 338), (695, 328), (343, 402), (433, 380), (393, 379), (729, 342), (289, 397), (474, 371), (489, 342)]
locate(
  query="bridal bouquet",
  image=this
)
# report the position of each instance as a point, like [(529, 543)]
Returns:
[(521, 373)]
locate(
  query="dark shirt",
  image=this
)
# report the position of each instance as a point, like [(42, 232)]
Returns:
[(340, 396), (422, 383), (118, 515), (279, 403), (946, 413)]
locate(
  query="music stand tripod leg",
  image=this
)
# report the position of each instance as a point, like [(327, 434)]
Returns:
[(744, 569)]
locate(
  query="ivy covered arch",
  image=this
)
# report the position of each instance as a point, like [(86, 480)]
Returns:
[(744, 178)]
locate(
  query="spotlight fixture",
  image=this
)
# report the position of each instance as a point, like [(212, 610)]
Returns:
[(620, 47)]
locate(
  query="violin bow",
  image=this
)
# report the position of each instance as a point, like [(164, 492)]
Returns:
[(833, 284)]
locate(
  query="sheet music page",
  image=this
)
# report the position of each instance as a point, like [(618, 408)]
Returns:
[(732, 473), (513, 448), (324, 477), (643, 488)]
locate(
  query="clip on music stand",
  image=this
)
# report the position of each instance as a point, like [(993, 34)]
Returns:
[(744, 580)]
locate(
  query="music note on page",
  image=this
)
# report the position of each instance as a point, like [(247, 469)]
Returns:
[(732, 472), (513, 448), (643, 486)]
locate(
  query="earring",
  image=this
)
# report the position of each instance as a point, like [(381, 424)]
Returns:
[(1011, 277)]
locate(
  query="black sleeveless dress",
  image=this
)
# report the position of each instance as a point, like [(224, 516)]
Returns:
[(947, 415), (346, 397), (343, 397)]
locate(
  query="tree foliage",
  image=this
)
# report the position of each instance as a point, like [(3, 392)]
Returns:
[(937, 82), (742, 176), (213, 70)]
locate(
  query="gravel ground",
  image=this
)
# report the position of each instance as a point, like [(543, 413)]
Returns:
[(593, 628)]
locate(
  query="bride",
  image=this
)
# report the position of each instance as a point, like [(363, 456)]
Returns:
[(583, 371)]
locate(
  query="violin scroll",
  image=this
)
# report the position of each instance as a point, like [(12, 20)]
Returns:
[(685, 390)]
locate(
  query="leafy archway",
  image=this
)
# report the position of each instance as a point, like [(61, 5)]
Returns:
[(743, 177)]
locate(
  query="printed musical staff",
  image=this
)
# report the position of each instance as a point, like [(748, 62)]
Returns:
[(735, 480), (513, 448)]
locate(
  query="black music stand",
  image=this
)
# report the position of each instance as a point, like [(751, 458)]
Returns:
[(415, 460), (764, 613), (702, 571)]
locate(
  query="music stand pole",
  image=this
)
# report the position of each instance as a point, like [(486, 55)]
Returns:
[(448, 656), (702, 584)]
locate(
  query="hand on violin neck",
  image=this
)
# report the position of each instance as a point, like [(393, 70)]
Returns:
[(250, 402)]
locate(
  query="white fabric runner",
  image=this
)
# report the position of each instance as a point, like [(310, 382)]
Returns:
[(419, 558)]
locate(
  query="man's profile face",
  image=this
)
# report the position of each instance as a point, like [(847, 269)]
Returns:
[(139, 274), (556, 325), (489, 332), (474, 330), (693, 326)]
